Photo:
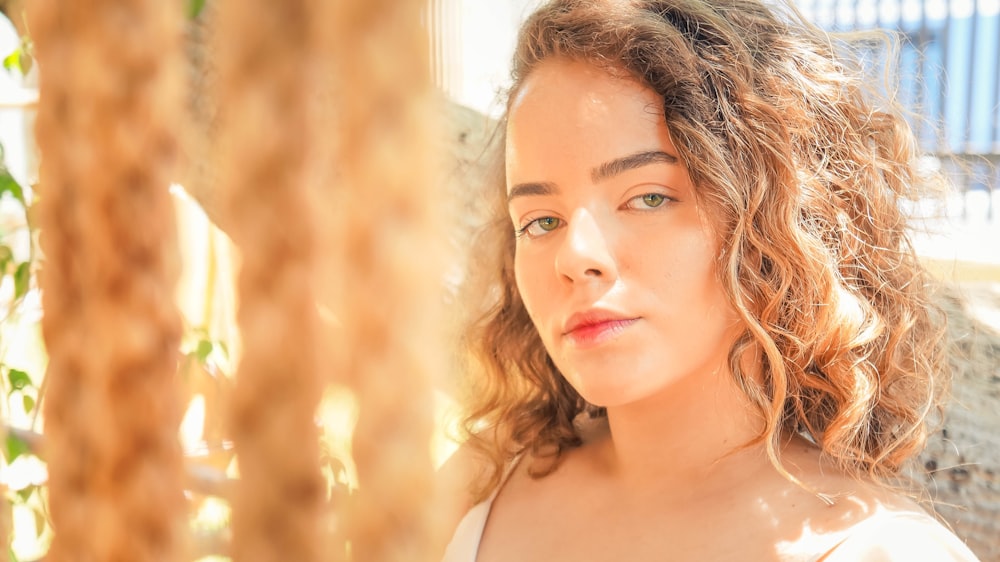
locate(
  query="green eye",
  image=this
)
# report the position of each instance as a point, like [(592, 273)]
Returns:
[(653, 199), (548, 224), (539, 227)]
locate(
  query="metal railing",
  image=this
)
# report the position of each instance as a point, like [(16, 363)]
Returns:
[(948, 77)]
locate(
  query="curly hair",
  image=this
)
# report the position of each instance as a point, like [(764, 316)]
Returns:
[(806, 175)]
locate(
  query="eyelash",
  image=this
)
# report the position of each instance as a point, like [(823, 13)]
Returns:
[(523, 231), (663, 199)]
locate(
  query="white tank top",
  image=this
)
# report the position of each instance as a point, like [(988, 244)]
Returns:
[(464, 545)]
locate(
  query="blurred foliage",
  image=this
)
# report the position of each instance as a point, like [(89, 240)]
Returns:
[(23, 472)]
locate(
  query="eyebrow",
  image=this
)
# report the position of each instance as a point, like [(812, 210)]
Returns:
[(604, 171), (533, 188), (630, 162)]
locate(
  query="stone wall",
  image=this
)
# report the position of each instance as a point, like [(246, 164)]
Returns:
[(960, 468)]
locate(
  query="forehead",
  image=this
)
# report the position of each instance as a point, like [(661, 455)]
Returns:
[(576, 113)]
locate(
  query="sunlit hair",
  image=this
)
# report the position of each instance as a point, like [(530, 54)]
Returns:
[(806, 177)]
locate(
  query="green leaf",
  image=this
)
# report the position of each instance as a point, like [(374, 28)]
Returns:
[(194, 8), (19, 60), (6, 256), (25, 493), (9, 185), (22, 279), (203, 351), (19, 380), (25, 58), (28, 402), (40, 522), (13, 61), (15, 448)]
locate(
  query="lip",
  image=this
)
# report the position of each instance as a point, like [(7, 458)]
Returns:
[(596, 326)]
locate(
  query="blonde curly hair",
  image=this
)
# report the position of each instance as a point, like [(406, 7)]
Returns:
[(806, 178)]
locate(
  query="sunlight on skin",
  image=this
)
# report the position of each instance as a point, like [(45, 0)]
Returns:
[(812, 532)]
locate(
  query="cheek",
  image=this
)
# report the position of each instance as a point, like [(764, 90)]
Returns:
[(712, 295), (536, 292), (526, 283), (693, 271), (519, 280)]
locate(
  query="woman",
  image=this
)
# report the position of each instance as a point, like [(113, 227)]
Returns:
[(708, 337)]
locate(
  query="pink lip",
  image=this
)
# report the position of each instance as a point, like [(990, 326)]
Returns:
[(595, 326)]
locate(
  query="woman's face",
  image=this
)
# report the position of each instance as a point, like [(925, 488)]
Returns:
[(615, 261)]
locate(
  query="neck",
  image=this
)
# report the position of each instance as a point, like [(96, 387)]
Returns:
[(690, 438)]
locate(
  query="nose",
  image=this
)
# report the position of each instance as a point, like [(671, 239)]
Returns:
[(584, 253)]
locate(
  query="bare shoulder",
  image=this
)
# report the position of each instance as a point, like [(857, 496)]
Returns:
[(899, 535), (870, 522)]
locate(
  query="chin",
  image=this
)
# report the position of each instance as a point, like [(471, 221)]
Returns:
[(606, 395)]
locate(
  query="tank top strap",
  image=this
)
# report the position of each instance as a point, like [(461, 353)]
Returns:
[(464, 545)]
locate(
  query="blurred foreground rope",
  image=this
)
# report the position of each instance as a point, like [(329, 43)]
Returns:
[(264, 87), (107, 114), (108, 108), (388, 278)]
